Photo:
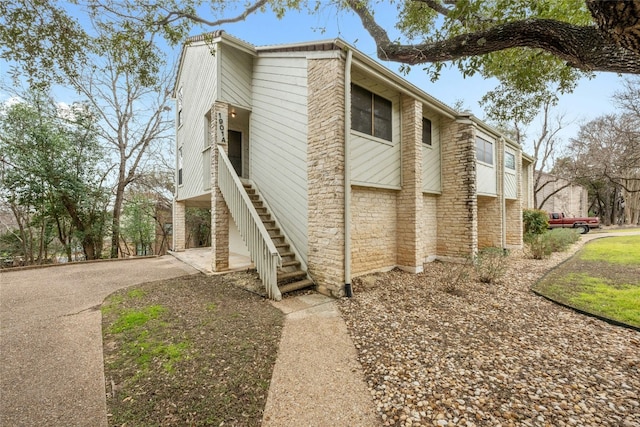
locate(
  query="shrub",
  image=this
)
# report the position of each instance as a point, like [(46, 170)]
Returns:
[(558, 240), (535, 223), (562, 238), (454, 278), (539, 246), (491, 264)]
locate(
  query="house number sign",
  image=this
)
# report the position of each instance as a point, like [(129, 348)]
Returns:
[(221, 126)]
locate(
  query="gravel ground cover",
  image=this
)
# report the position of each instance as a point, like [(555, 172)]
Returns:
[(437, 352)]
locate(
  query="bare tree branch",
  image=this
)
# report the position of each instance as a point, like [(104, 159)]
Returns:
[(585, 48)]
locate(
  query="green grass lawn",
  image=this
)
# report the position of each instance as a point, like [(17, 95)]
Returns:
[(602, 279)]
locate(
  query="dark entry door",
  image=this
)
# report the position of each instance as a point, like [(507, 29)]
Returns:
[(235, 150)]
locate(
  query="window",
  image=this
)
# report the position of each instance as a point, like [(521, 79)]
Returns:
[(180, 96), (180, 166), (484, 150), (370, 113), (510, 161), (426, 131), (207, 130)]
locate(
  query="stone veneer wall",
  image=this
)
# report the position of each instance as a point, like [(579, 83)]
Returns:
[(457, 205), (325, 174), (489, 222), (219, 210), (409, 199), (514, 223), (179, 226), (374, 223), (429, 225)]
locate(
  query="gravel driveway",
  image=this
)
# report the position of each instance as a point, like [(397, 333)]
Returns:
[(489, 355), (51, 371)]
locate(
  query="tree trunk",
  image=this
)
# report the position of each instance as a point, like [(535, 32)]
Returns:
[(117, 210), (89, 248)]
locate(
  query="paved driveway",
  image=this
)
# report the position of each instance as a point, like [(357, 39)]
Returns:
[(51, 369)]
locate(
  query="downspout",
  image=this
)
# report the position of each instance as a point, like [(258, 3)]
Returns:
[(347, 174)]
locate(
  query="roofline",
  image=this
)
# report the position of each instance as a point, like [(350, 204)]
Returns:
[(214, 37), (409, 87), (367, 61)]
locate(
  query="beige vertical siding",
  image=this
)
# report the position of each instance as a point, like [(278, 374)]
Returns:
[(278, 147), (235, 75), (431, 163), (198, 79)]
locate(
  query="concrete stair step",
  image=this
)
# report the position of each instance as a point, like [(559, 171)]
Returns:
[(298, 274), (294, 286), (291, 264), (288, 281)]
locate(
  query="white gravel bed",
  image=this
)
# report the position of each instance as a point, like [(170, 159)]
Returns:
[(489, 355)]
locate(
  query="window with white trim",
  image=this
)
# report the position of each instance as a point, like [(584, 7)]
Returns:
[(509, 160), (426, 131), (370, 113), (180, 96), (180, 166), (484, 150)]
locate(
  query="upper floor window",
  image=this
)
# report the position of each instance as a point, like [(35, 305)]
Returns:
[(180, 166), (180, 96), (426, 131), (370, 113), (509, 161), (207, 130), (484, 150)]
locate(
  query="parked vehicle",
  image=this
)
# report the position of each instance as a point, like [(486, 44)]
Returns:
[(583, 224)]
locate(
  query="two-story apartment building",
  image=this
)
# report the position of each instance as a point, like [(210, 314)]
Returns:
[(336, 163)]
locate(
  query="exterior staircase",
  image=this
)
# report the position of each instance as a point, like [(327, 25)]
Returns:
[(290, 276)]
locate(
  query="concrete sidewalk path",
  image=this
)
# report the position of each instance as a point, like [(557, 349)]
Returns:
[(51, 366), (317, 380)]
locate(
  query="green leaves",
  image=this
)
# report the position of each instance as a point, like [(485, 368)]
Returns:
[(528, 77), (50, 154), (40, 39)]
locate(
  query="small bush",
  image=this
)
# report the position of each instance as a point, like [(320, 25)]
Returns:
[(539, 246), (562, 238), (455, 277), (558, 240), (491, 264), (535, 223)]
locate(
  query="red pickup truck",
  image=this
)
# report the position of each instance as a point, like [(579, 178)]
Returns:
[(559, 220)]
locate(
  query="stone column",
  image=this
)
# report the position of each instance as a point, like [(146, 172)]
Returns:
[(514, 208), (409, 199), (219, 211), (458, 203), (179, 226), (325, 174)]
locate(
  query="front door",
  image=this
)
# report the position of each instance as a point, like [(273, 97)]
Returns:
[(235, 150)]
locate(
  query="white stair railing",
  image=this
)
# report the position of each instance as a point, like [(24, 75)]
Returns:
[(263, 252)]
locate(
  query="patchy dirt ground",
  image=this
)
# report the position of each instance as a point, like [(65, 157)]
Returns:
[(192, 351), (437, 352)]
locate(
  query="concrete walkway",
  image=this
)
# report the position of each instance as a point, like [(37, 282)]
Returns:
[(317, 380), (51, 367)]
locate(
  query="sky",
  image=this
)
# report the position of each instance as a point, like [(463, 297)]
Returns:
[(591, 98)]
